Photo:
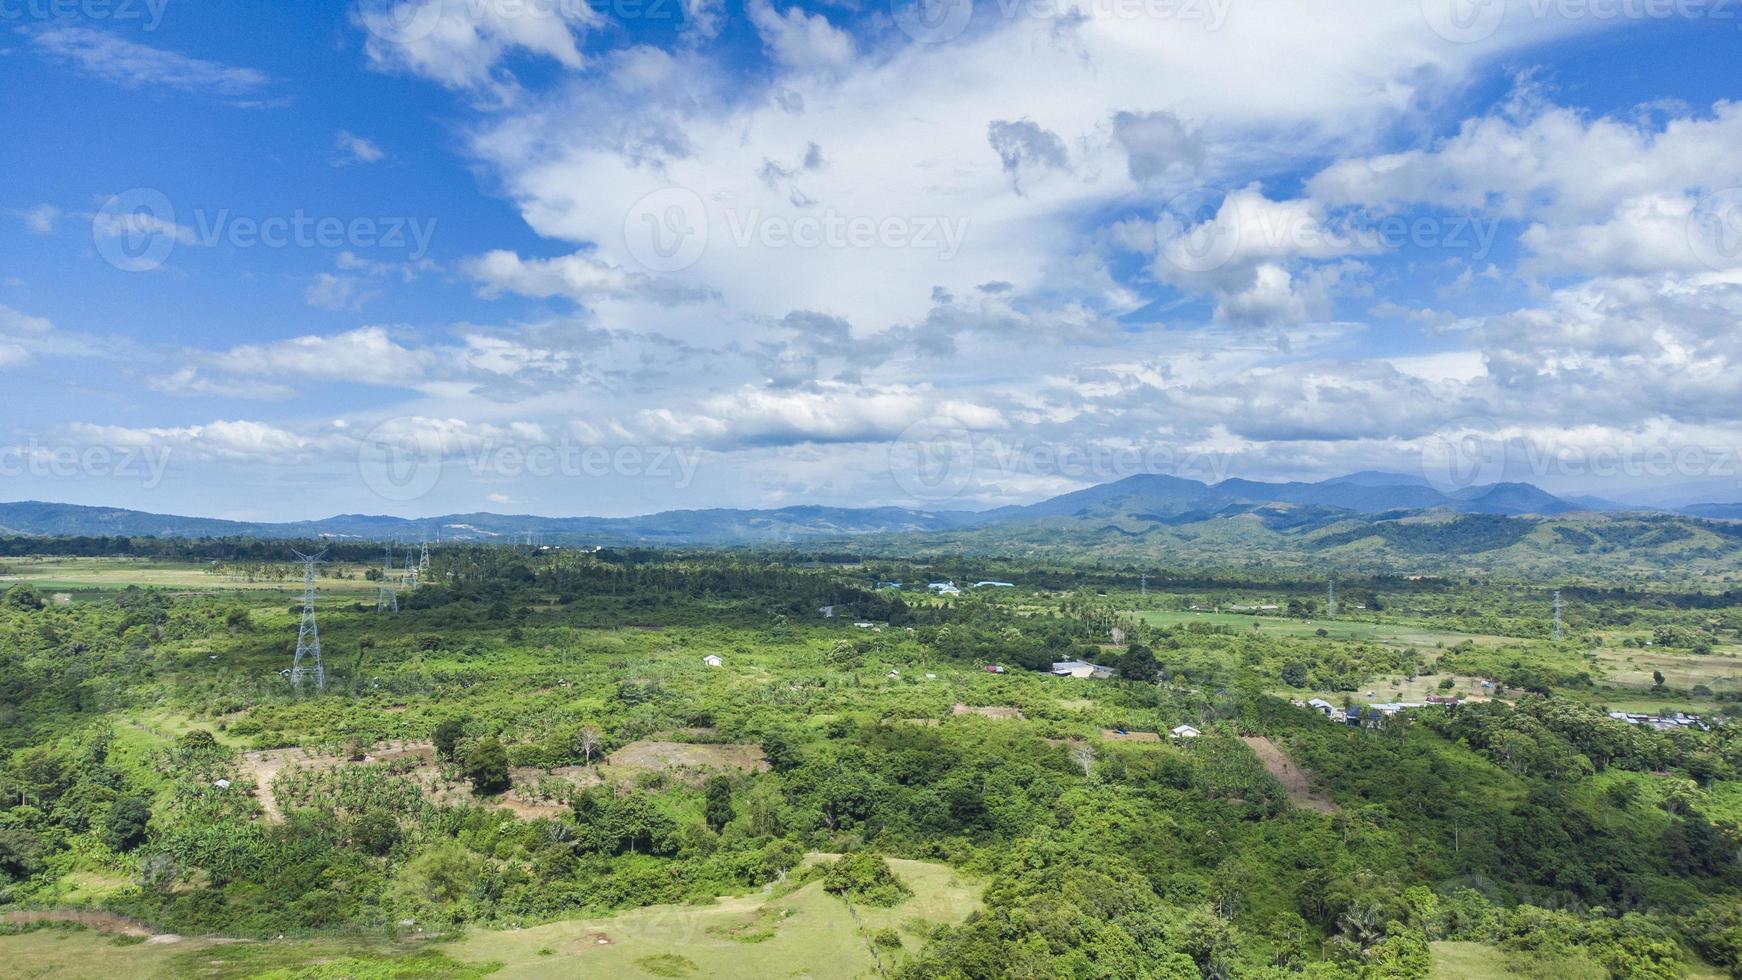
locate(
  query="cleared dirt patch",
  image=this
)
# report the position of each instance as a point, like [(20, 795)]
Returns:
[(989, 712), (1110, 735), (416, 759), (109, 922), (1293, 778)]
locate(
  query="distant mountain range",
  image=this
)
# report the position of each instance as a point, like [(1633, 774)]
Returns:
[(1381, 513)]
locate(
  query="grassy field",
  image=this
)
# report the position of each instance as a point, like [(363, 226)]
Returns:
[(1389, 634), (807, 932), (95, 574), (1474, 961), (1632, 668), (1394, 688), (802, 932)]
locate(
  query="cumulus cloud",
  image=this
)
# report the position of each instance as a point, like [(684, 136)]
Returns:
[(800, 41), (581, 277), (366, 356), (1156, 144), (460, 43), (824, 413)]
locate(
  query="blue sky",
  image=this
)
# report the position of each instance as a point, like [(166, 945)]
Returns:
[(425, 256)]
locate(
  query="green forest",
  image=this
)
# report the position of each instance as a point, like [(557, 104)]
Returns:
[(559, 762)]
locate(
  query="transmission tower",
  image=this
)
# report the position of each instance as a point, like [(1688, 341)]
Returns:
[(388, 598), (308, 636), (1330, 598), (1143, 585), (423, 556), (1558, 633), (408, 574)]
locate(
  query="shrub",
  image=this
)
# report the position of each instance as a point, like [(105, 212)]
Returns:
[(865, 877), (125, 826), (486, 766)]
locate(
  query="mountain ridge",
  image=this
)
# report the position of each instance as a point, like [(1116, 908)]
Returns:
[(1149, 497)]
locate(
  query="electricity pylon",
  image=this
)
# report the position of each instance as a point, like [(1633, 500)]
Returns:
[(307, 661), (387, 600)]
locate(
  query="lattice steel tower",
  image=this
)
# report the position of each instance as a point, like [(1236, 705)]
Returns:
[(307, 662), (387, 600), (1558, 632), (1330, 598)]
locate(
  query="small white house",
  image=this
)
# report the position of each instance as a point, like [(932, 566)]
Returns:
[(1185, 731), (713, 660)]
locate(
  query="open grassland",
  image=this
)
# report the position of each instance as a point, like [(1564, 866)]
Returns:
[(805, 932), (98, 574), (95, 954), (1392, 634), (1682, 670), (1395, 687)]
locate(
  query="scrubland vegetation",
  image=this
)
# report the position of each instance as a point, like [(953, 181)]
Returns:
[(531, 770)]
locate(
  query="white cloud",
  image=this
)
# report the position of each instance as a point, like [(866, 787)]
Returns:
[(581, 277), (229, 441), (131, 65), (366, 355), (187, 380), (42, 218), (827, 412), (334, 292), (349, 148), (800, 41), (459, 43)]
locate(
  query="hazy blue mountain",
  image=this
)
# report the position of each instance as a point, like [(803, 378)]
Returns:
[(1715, 512), (1127, 504)]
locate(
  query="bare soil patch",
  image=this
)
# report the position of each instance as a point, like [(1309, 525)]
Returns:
[(1110, 735), (417, 758), (109, 922), (1293, 778), (989, 711)]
